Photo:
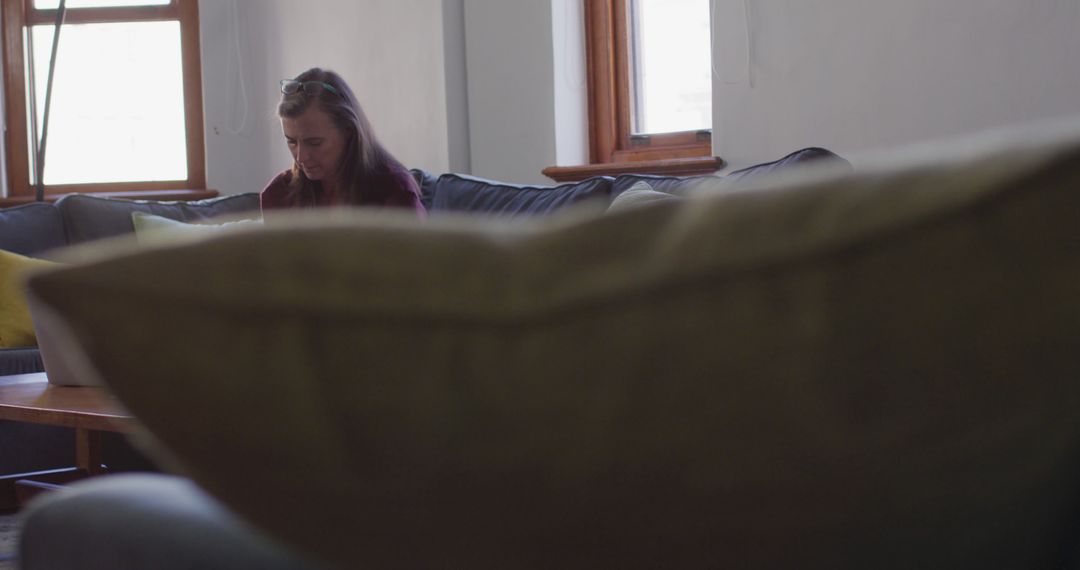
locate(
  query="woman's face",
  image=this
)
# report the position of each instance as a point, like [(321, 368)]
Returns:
[(316, 144)]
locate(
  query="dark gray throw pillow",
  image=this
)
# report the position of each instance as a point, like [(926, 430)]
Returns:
[(31, 229), (91, 217)]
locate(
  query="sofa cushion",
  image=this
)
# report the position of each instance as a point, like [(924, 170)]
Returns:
[(865, 371), (815, 156), (89, 218), (23, 360), (639, 194), (458, 192), (31, 229), (660, 183)]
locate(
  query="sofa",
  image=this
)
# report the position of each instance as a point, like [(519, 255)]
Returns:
[(39, 229), (813, 369)]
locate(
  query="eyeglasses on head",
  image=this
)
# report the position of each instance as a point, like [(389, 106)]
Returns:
[(290, 86)]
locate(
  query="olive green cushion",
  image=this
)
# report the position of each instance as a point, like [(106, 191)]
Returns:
[(874, 370)]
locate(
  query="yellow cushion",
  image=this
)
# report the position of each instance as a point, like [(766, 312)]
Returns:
[(16, 329)]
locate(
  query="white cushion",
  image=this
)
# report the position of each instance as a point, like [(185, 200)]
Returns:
[(158, 230)]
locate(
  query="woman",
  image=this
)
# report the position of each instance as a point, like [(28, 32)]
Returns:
[(337, 160)]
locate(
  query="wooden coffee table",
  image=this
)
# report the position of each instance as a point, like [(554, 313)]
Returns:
[(89, 410)]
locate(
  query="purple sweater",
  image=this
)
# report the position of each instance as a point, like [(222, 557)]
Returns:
[(403, 193)]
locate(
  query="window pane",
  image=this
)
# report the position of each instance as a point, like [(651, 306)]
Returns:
[(671, 73), (53, 4), (117, 105)]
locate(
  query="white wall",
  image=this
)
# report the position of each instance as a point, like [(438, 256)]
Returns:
[(571, 87), (511, 102), (857, 75), (494, 86), (390, 51), (457, 88), (524, 63)]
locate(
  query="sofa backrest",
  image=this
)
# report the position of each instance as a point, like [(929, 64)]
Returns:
[(812, 154), (682, 184), (453, 192), (460, 192), (87, 218), (31, 229)]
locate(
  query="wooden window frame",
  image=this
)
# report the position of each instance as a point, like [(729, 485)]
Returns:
[(613, 148), (17, 16)]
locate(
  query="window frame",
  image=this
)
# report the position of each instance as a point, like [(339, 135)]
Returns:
[(17, 16), (611, 101), (613, 148)]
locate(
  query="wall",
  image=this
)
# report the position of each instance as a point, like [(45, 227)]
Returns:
[(457, 89), (856, 76), (390, 51), (571, 87), (525, 87), (511, 102), (493, 87)]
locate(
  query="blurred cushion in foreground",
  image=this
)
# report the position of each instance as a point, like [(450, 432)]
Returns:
[(871, 370)]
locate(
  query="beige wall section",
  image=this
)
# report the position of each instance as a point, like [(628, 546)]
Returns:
[(510, 64), (526, 87), (860, 76), (390, 51)]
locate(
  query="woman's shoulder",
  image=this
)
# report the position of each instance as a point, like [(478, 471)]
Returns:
[(276, 192), (282, 180)]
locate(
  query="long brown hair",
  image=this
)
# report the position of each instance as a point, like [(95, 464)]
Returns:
[(366, 169)]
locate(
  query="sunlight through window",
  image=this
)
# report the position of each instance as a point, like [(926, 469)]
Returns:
[(53, 4), (117, 105), (671, 73)]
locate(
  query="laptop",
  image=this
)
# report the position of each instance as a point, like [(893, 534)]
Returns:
[(64, 364)]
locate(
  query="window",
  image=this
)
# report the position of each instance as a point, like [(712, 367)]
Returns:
[(670, 67), (650, 88), (126, 109)]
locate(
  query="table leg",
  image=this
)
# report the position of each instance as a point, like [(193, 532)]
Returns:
[(88, 451), (18, 488)]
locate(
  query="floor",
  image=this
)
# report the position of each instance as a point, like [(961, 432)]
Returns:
[(9, 536)]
